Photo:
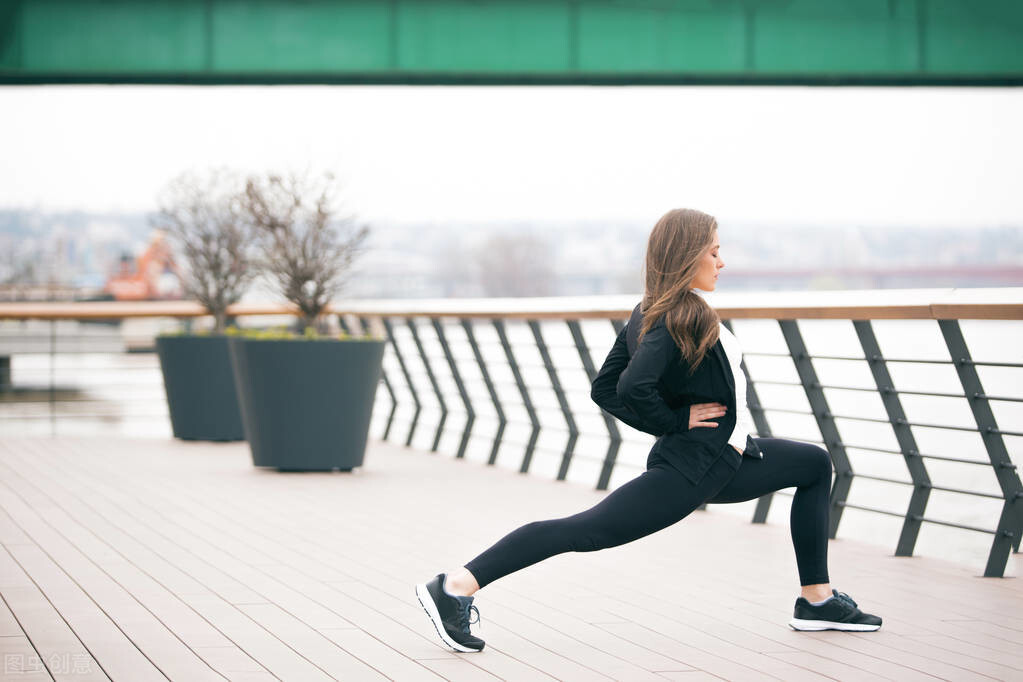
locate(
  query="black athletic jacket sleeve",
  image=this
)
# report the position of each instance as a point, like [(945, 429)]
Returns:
[(627, 387)]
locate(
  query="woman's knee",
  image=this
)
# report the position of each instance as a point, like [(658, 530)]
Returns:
[(586, 533), (567, 534), (543, 530), (595, 539), (822, 463)]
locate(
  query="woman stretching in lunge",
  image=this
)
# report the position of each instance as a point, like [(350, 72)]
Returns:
[(673, 367)]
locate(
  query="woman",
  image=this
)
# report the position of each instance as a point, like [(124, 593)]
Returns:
[(672, 371)]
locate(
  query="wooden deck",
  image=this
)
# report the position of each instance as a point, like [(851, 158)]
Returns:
[(150, 559)]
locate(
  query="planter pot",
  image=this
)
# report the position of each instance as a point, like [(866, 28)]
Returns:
[(199, 382), (306, 405)]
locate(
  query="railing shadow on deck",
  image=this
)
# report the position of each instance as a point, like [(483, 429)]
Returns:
[(508, 375)]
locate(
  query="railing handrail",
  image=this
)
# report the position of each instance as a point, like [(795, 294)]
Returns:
[(1003, 303)]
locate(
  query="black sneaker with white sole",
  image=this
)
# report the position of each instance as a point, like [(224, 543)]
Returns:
[(839, 612), (450, 615)]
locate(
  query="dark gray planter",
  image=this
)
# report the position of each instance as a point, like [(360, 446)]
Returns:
[(306, 405), (199, 382)]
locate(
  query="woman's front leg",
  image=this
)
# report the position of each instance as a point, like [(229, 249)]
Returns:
[(807, 468)]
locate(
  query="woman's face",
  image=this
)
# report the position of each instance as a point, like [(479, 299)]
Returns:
[(707, 273)]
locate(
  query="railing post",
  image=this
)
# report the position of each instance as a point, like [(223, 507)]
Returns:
[(1010, 523), (825, 422), (903, 434), (527, 457), (502, 420), (53, 378), (344, 325), (611, 456), (763, 431), (573, 430), (408, 379), (433, 383), (6, 382), (383, 375), (470, 414)]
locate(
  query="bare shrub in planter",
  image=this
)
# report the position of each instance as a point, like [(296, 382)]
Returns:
[(201, 212), (306, 402)]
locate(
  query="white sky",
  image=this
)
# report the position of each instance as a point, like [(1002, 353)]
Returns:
[(823, 155)]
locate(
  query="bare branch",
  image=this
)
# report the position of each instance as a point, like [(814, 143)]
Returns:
[(306, 245), (203, 217)]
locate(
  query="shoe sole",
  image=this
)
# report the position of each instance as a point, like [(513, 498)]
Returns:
[(426, 601), (816, 625)]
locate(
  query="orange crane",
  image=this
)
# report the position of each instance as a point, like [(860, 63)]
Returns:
[(155, 274)]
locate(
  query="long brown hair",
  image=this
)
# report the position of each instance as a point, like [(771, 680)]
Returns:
[(677, 243)]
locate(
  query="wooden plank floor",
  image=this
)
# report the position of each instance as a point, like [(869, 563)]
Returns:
[(151, 559)]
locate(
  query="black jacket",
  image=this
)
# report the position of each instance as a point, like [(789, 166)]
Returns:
[(647, 385)]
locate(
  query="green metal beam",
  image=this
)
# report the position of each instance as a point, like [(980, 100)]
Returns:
[(914, 42)]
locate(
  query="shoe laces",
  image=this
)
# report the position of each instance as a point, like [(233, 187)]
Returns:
[(467, 617), (842, 596)]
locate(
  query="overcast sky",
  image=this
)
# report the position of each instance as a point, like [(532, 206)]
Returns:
[(884, 156)]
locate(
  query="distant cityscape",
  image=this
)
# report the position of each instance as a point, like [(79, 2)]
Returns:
[(65, 256)]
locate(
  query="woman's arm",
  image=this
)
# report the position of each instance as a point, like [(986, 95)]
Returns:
[(637, 385), (607, 391)]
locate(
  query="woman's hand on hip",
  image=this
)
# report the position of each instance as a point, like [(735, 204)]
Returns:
[(699, 413)]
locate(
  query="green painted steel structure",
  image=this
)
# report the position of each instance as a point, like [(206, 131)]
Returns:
[(939, 42)]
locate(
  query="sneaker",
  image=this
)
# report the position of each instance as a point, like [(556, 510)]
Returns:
[(839, 612), (450, 615)]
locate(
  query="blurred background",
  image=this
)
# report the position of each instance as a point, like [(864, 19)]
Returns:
[(528, 190), (841, 145)]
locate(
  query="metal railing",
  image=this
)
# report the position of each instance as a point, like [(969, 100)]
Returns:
[(508, 379)]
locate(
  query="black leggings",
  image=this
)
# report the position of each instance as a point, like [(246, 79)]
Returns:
[(661, 496)]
